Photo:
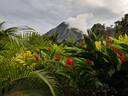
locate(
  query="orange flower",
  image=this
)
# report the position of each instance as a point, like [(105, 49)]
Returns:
[(36, 57), (58, 57)]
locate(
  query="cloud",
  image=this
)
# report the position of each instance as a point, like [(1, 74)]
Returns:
[(45, 14), (79, 22)]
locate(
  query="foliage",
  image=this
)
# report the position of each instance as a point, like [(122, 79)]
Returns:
[(34, 65), (15, 78), (122, 26)]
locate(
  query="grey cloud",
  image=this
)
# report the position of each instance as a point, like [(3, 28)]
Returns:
[(44, 14)]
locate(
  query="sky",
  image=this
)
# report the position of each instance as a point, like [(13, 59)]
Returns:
[(43, 15)]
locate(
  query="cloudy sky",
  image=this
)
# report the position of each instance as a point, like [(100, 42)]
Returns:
[(46, 14)]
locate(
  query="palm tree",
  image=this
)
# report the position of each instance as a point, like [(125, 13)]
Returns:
[(15, 78)]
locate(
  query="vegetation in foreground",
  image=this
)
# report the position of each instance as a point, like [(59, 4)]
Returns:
[(33, 65)]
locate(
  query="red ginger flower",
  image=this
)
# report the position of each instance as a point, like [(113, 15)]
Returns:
[(122, 58), (119, 54), (69, 61)]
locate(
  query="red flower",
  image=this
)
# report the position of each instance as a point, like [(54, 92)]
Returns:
[(116, 51), (122, 58), (119, 54), (69, 61)]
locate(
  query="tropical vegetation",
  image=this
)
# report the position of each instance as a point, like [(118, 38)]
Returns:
[(36, 65)]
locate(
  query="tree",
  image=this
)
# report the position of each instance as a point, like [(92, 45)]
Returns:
[(98, 29), (110, 30), (15, 78), (122, 26)]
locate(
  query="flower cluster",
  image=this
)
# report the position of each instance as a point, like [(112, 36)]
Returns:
[(27, 55)]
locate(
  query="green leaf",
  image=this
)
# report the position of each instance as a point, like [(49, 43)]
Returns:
[(43, 77), (124, 47)]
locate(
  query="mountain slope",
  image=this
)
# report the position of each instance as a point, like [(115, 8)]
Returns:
[(63, 33)]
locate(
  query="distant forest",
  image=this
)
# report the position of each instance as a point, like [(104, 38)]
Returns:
[(120, 27)]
